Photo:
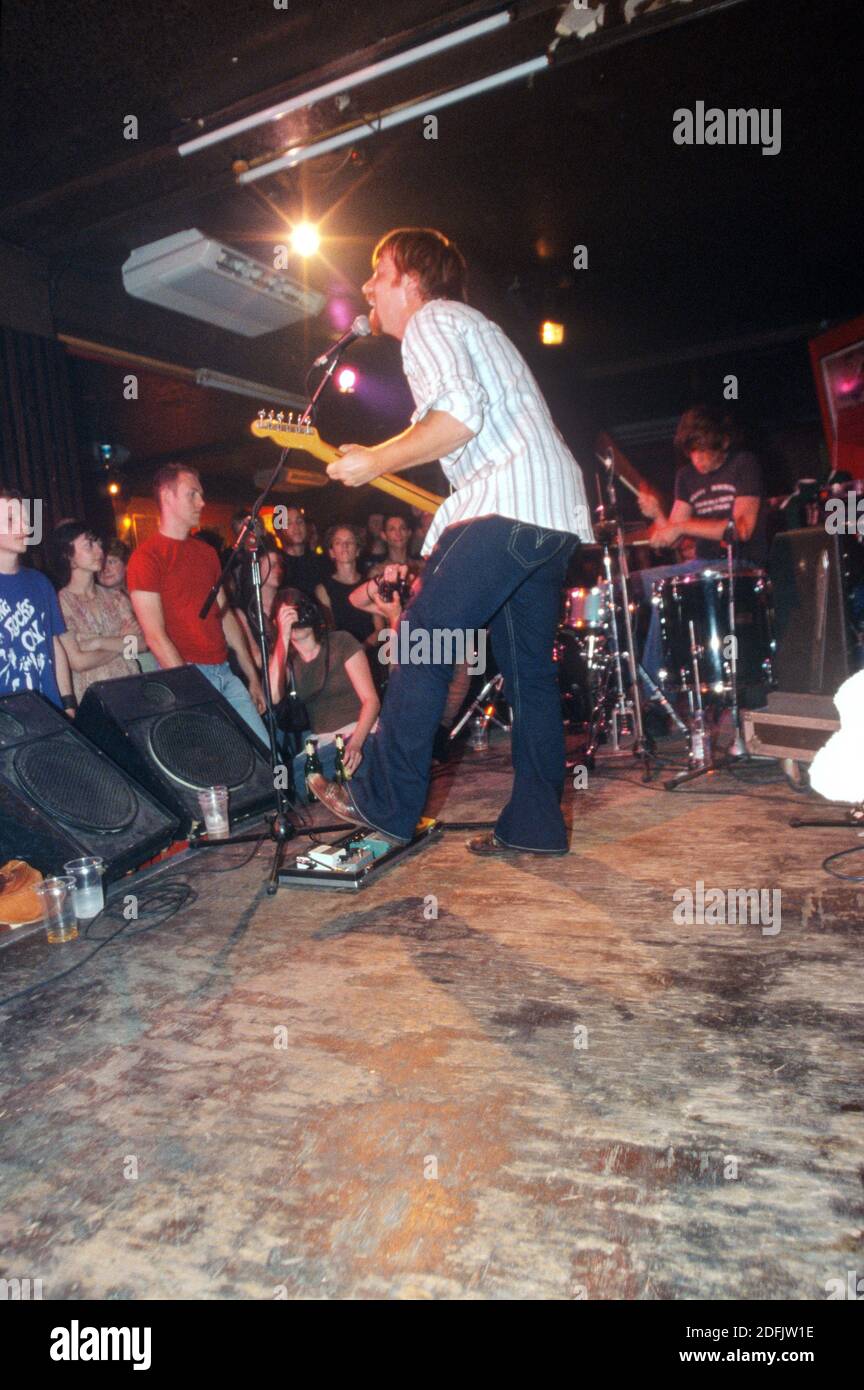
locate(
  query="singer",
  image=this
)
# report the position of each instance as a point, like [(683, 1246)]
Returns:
[(497, 548)]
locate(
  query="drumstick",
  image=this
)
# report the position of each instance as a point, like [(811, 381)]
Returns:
[(620, 476)]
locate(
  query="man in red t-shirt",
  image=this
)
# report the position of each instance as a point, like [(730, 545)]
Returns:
[(169, 577)]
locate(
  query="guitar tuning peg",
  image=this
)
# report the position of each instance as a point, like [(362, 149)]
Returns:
[(290, 417), (261, 414), (270, 416), (281, 416)]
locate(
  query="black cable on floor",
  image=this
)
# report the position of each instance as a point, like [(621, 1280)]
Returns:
[(841, 854), (172, 895), (229, 868)]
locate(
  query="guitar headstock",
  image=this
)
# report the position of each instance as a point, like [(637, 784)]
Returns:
[(289, 433), (279, 423)]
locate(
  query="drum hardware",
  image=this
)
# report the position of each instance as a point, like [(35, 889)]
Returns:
[(700, 746), (627, 705), (485, 705), (656, 696), (613, 692)]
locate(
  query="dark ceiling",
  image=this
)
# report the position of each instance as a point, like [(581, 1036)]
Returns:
[(698, 257)]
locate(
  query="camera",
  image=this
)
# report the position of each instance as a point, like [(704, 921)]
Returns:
[(394, 588), (308, 614)]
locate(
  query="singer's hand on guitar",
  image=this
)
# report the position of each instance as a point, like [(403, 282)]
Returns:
[(355, 466), (649, 504)]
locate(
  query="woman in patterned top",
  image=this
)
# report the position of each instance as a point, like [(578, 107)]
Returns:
[(101, 619)]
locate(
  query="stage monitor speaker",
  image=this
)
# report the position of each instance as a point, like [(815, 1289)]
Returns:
[(175, 734), (813, 634), (61, 798)]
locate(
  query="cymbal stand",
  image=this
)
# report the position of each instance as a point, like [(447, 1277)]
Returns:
[(640, 747), (484, 705)]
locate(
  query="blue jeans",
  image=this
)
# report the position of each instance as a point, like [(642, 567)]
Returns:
[(505, 575), (237, 695)]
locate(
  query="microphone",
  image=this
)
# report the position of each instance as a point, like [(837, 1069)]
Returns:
[(360, 328)]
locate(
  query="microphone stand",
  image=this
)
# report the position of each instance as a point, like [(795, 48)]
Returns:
[(281, 826)]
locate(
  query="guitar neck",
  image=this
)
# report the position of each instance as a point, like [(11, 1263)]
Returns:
[(394, 486), (282, 433)]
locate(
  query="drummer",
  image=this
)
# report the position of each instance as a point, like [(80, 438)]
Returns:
[(719, 483)]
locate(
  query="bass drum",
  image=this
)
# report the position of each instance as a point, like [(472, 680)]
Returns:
[(703, 599)]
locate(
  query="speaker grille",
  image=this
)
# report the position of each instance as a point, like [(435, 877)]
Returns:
[(201, 749), (66, 779), (10, 727)]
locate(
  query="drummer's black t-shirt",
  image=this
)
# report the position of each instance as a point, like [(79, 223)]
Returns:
[(712, 497)]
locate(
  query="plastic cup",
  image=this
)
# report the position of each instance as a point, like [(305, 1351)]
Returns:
[(58, 909), (88, 896), (214, 809)]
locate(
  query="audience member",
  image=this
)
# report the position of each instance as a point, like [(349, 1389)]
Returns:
[(272, 565), (397, 537), (32, 652), (113, 572), (303, 568), (330, 674), (333, 593), (169, 578), (101, 620)]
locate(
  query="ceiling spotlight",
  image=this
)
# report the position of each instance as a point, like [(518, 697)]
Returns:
[(305, 240), (551, 334)]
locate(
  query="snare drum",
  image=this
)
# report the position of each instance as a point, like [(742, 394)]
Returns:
[(586, 609), (703, 599)]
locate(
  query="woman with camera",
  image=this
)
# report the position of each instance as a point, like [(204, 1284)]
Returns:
[(327, 673)]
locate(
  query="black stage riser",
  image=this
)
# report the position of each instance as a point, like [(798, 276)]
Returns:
[(175, 734), (61, 798)]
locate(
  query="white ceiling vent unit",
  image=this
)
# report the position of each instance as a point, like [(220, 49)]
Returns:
[(199, 277)]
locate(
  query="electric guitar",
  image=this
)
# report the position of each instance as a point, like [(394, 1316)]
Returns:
[(290, 434)]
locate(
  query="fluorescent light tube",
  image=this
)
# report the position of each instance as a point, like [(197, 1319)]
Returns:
[(392, 118), (205, 377), (345, 83)]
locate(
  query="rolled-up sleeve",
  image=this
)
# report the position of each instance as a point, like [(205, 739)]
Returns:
[(440, 371)]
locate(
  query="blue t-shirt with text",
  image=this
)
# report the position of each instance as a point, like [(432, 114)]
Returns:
[(30, 619)]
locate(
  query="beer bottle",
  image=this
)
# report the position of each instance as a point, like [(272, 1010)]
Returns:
[(340, 774), (312, 764)]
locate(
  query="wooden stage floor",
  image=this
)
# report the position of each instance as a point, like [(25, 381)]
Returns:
[(551, 1089)]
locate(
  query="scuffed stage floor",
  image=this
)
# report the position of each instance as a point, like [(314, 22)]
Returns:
[(545, 1092)]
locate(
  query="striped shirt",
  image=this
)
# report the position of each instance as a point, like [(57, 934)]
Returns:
[(517, 464)]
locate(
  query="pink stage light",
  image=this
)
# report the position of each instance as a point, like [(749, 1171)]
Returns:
[(346, 380)]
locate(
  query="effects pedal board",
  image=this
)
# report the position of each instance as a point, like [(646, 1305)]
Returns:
[(352, 860)]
